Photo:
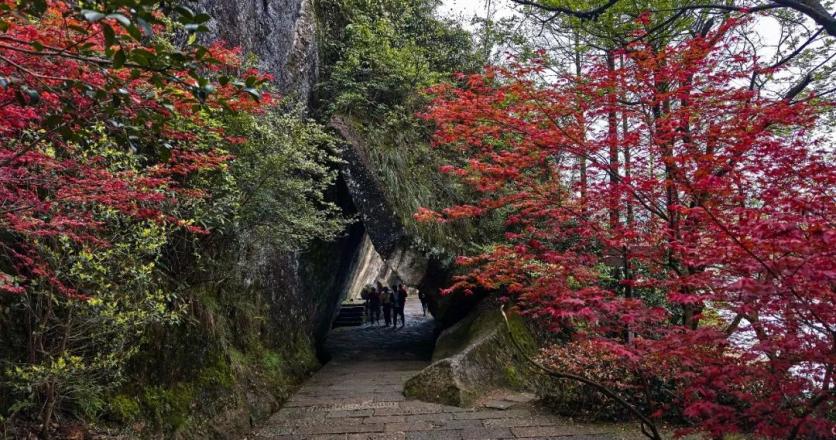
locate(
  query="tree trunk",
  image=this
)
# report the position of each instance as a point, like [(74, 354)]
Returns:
[(582, 157), (612, 141)]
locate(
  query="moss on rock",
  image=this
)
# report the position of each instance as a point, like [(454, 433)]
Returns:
[(474, 357)]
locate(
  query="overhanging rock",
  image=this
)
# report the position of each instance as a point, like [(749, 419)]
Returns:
[(382, 224)]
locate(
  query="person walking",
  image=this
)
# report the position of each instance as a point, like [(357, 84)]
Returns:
[(365, 295), (374, 304), (386, 303), (401, 303), (425, 301), (396, 301)]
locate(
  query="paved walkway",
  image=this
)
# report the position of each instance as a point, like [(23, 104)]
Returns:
[(358, 395)]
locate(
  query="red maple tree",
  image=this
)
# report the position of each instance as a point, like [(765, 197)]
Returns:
[(704, 258), (65, 70)]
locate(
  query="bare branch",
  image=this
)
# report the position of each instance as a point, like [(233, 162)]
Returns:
[(590, 14)]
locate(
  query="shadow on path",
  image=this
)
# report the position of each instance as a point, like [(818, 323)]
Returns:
[(414, 341)]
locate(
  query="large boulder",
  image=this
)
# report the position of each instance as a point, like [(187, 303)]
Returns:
[(474, 357)]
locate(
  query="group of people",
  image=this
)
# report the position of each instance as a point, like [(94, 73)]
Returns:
[(392, 300)]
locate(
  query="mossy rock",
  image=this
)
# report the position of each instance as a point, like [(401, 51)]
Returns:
[(170, 408), (439, 384), (474, 357)]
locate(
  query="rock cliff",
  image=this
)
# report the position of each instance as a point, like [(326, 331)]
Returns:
[(280, 33)]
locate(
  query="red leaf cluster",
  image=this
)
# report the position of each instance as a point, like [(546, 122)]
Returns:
[(708, 256), (58, 81)]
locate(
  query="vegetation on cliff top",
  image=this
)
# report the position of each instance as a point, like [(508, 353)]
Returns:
[(378, 58)]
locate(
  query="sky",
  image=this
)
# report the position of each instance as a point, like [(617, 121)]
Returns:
[(467, 8), (766, 29)]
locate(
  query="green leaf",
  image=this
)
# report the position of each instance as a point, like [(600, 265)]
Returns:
[(147, 30), (134, 32), (165, 153), (92, 16), (142, 56), (27, 92), (124, 21), (109, 35), (185, 11), (254, 93), (119, 59), (201, 18), (53, 121)]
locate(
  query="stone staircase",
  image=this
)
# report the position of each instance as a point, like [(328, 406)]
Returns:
[(350, 315)]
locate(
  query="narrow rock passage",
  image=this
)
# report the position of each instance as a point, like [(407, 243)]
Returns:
[(359, 395)]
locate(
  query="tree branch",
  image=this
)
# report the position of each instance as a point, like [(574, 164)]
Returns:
[(590, 14), (646, 423)]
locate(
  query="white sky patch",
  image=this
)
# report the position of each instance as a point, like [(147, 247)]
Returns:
[(464, 10)]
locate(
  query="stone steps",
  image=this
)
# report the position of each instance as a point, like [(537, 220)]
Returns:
[(350, 315)]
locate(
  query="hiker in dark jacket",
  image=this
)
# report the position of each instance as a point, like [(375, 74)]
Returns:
[(400, 304), (396, 300), (425, 301), (386, 302), (365, 295), (374, 305)]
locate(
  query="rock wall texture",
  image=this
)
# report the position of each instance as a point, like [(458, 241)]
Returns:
[(385, 230), (260, 324), (281, 33)]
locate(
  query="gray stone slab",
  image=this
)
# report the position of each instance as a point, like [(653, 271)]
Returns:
[(493, 414), (338, 429), (435, 418), (378, 436), (434, 435), (521, 421), (461, 424), (409, 426), (552, 431), (486, 433), (359, 396), (499, 404), (351, 413), (385, 419), (520, 397)]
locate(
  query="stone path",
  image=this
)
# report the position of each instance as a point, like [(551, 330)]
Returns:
[(358, 395)]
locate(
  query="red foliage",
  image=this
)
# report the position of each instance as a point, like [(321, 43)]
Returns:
[(725, 211), (59, 80)]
